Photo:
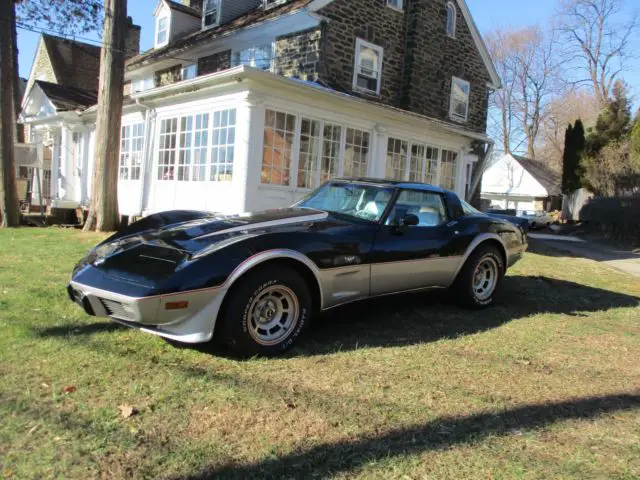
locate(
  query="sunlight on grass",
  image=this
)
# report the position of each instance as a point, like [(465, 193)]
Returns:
[(546, 384)]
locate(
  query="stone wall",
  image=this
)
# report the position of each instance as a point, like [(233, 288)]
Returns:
[(299, 55), (373, 21), (419, 58), (433, 58)]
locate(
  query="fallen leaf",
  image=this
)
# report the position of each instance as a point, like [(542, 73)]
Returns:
[(45, 385), (69, 389), (127, 411), (33, 429)]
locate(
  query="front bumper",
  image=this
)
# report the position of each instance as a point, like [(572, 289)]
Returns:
[(193, 324)]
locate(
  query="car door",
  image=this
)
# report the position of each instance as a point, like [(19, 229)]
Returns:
[(412, 257)]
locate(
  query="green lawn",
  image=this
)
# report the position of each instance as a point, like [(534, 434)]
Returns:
[(544, 385)]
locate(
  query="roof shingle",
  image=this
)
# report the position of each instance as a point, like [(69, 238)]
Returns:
[(200, 37), (548, 179), (66, 98), (75, 64)]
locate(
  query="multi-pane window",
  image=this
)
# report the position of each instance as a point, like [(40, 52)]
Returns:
[(397, 4), (309, 151), (368, 67), (423, 166), (200, 147), (167, 148), (192, 144), (211, 12), (184, 150), (356, 153), (192, 152), (223, 145), (257, 56), (162, 34), (459, 107), (279, 136), (131, 148), (330, 152), (448, 170), (397, 151)]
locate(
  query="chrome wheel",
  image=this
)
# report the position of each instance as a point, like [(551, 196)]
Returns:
[(485, 278), (273, 315)]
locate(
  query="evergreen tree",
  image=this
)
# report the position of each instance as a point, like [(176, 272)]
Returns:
[(574, 145), (614, 122)]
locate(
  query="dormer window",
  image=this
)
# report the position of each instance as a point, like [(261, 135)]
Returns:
[(162, 31), (211, 13)]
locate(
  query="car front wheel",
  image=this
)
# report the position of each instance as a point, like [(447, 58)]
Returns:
[(480, 277), (267, 312)]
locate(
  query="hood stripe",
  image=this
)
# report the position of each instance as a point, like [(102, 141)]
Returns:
[(271, 223)]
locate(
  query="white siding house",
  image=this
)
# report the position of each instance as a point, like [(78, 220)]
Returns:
[(519, 183)]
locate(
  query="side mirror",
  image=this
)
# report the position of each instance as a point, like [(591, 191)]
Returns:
[(410, 220)]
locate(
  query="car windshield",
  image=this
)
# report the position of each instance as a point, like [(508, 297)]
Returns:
[(368, 202)]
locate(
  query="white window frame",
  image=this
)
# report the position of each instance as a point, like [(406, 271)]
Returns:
[(294, 168), (204, 15), (158, 43), (399, 7), (185, 71), (438, 173), (142, 84), (452, 113), (214, 166), (451, 8), (356, 67)]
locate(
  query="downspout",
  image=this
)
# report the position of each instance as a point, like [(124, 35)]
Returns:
[(478, 172), (146, 150)]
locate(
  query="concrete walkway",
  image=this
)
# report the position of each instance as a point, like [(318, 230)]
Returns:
[(623, 260)]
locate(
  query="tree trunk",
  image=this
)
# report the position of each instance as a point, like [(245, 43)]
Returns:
[(17, 94), (103, 211), (9, 209)]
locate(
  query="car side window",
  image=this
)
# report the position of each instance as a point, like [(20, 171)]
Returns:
[(427, 206)]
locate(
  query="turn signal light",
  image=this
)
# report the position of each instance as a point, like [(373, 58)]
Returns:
[(176, 305)]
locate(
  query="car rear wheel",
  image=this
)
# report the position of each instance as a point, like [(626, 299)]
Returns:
[(267, 312), (480, 277)]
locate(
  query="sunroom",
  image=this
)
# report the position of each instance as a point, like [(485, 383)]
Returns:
[(245, 140)]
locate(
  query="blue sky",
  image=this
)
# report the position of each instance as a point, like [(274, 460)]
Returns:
[(487, 13)]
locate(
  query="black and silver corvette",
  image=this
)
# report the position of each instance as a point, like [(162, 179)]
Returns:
[(256, 280)]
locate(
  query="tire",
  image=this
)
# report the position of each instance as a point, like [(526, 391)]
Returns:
[(466, 289), (256, 321)]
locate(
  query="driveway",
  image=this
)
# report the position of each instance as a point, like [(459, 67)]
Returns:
[(623, 260)]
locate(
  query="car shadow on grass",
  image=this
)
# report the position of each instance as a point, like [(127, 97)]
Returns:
[(331, 459), (427, 317), (75, 329), (410, 319)]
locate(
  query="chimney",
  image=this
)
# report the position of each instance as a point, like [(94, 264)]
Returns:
[(132, 44), (196, 4)]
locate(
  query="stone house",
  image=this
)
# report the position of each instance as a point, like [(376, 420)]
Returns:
[(250, 104)]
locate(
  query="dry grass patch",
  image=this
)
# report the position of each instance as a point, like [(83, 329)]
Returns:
[(544, 385)]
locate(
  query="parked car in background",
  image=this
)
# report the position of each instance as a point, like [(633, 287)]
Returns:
[(509, 216), (256, 280), (537, 219)]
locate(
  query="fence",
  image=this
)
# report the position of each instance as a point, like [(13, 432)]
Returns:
[(617, 218)]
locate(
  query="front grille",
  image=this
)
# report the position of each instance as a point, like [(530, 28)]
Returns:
[(118, 310)]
